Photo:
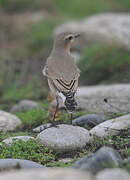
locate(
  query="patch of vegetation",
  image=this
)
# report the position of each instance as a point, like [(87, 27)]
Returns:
[(83, 8), (66, 8), (33, 118), (30, 150), (39, 36), (126, 166), (66, 118), (36, 117), (102, 64), (120, 143), (4, 135), (15, 93), (17, 6), (59, 164)]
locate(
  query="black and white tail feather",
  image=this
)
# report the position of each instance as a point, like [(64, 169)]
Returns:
[(70, 102)]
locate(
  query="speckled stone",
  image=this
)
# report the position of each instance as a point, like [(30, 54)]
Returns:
[(88, 119), (9, 122), (105, 157), (25, 105), (10, 140), (12, 163), (64, 138), (46, 174), (112, 127), (113, 174)]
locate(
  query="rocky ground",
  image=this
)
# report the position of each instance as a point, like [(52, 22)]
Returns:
[(96, 146)]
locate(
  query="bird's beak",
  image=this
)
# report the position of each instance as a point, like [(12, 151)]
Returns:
[(77, 35)]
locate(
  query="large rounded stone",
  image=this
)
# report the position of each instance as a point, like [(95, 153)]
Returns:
[(10, 140), (104, 99), (64, 138), (105, 28), (7, 164), (111, 127), (46, 174), (89, 119), (8, 122), (42, 127), (105, 157), (113, 174), (25, 105)]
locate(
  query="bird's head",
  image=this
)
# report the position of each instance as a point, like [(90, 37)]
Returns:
[(66, 40)]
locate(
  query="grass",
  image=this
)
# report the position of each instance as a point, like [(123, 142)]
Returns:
[(39, 36), (104, 64), (36, 41), (32, 150), (73, 8), (100, 63), (33, 118), (4, 135), (120, 143)]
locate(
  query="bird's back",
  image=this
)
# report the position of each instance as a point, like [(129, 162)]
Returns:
[(61, 66)]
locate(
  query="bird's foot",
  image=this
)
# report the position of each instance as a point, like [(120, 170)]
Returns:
[(54, 124)]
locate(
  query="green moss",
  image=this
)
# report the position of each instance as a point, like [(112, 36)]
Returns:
[(101, 64), (30, 150), (126, 166), (39, 36), (17, 93), (4, 135), (66, 118), (120, 143), (83, 8), (60, 164), (16, 6), (33, 118)]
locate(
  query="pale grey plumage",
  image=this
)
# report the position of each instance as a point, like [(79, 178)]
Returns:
[(60, 67)]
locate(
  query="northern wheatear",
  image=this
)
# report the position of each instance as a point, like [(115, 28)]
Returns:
[(62, 72)]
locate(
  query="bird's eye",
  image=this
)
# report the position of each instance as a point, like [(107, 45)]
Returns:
[(70, 37)]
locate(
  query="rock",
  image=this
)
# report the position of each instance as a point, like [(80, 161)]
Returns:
[(10, 140), (46, 174), (127, 160), (42, 127), (112, 127), (105, 100), (105, 157), (105, 28), (89, 119), (66, 160), (91, 99), (64, 138), (113, 174), (9, 122), (7, 164), (105, 91), (25, 105)]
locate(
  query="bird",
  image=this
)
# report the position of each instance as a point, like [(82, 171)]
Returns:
[(62, 72)]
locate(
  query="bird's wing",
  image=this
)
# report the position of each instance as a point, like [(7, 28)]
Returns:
[(63, 86), (56, 68), (64, 75)]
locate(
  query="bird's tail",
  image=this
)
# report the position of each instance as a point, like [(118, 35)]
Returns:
[(70, 102)]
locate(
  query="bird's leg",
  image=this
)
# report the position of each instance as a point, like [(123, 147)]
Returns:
[(71, 117), (54, 115)]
